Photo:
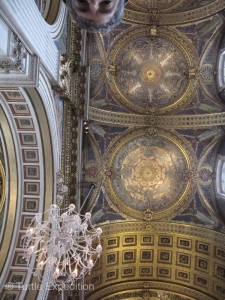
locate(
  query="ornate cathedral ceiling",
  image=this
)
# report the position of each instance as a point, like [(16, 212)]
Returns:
[(154, 127), (151, 140), (155, 117), (152, 73)]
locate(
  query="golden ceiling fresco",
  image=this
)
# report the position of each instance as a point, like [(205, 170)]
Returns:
[(154, 127), (186, 12), (152, 73), (164, 5), (142, 132), (144, 171), (190, 257), (145, 135)]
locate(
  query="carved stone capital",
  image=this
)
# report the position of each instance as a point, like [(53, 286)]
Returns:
[(15, 58)]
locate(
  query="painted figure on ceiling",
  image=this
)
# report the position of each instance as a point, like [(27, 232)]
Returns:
[(96, 15)]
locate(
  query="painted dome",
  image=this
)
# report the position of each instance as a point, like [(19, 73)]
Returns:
[(149, 173), (150, 74)]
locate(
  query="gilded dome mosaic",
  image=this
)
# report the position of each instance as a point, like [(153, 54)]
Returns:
[(151, 74), (159, 4), (149, 173)]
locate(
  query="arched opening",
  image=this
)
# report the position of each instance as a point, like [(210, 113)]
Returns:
[(49, 9)]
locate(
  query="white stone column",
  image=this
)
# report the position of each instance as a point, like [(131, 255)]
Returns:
[(24, 18)]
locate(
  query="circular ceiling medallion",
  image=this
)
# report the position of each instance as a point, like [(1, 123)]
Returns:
[(152, 74), (149, 174)]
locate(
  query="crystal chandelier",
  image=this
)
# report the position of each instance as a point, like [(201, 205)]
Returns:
[(67, 245)]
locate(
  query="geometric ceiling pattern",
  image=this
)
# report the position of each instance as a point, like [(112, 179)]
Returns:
[(29, 152), (22, 189), (22, 183), (177, 258)]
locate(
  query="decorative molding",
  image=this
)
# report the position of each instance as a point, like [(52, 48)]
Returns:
[(65, 74), (163, 5), (2, 184), (16, 56), (46, 93), (72, 109), (17, 66), (58, 27), (20, 16), (147, 291), (169, 121), (61, 188), (25, 200)]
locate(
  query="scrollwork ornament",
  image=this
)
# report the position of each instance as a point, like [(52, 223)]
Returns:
[(111, 69), (148, 215), (149, 227), (152, 121), (146, 285), (17, 54), (191, 174), (65, 73), (152, 132), (61, 188), (207, 73)]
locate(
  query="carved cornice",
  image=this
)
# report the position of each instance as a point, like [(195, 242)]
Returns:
[(69, 157), (170, 122), (18, 67), (73, 87), (77, 90), (137, 291), (16, 56), (164, 227)]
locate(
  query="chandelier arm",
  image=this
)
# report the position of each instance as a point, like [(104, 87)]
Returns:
[(65, 244)]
